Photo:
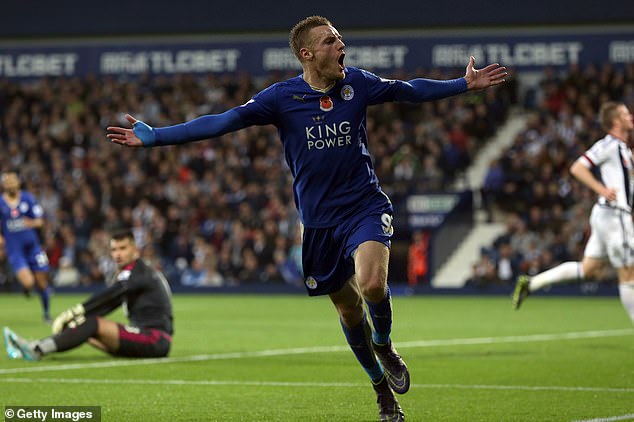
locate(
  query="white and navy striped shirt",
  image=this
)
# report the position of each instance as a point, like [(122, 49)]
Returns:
[(613, 158)]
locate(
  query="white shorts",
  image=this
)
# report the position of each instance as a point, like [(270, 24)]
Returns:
[(612, 236)]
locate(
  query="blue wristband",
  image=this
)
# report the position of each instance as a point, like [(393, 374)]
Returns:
[(145, 133)]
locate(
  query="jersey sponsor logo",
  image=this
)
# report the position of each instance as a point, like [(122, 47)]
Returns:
[(325, 103), (311, 283), (16, 225), (324, 135), (347, 92)]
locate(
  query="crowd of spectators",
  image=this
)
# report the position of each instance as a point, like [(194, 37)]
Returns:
[(211, 213), (546, 209)]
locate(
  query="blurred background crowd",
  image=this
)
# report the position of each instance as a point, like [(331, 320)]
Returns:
[(220, 212), (529, 185)]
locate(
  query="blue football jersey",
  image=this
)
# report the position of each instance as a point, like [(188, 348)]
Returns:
[(12, 219), (325, 141)]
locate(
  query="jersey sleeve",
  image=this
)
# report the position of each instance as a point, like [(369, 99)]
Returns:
[(380, 90), (262, 108), (416, 90), (595, 156), (106, 301)]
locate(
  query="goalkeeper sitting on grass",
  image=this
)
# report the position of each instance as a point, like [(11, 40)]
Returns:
[(146, 297)]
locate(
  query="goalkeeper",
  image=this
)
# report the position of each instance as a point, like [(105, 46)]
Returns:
[(146, 299)]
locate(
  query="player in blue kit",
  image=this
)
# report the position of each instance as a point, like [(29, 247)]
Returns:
[(21, 216), (321, 119)]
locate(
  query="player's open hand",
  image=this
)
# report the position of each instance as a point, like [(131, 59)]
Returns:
[(493, 74), (125, 136)]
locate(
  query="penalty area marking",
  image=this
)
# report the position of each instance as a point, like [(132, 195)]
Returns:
[(323, 349), (323, 385)]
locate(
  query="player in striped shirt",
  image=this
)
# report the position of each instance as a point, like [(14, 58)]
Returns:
[(612, 237)]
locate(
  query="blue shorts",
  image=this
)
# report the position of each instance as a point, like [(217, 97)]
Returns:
[(27, 256), (327, 252)]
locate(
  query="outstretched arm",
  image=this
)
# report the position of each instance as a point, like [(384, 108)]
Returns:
[(421, 89), (204, 127)]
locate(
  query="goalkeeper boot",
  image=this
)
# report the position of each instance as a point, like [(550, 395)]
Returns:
[(396, 371), (389, 409), (521, 290), (12, 349), (26, 350)]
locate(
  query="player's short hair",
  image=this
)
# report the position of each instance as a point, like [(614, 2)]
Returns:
[(8, 171), (607, 113), (122, 234), (298, 37)]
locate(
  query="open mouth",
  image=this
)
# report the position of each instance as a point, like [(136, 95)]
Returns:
[(340, 60)]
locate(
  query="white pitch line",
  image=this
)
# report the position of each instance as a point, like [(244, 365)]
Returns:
[(322, 349), (610, 418), (315, 385), (518, 339)]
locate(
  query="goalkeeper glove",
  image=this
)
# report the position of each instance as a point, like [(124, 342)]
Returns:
[(70, 317)]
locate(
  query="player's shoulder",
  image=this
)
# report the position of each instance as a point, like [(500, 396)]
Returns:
[(353, 73), (608, 142), (288, 84), (273, 92), (357, 72)]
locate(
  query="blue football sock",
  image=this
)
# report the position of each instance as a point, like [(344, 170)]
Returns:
[(359, 341), (381, 314)]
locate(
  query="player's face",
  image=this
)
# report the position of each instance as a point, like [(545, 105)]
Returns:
[(123, 252), (327, 48), (10, 183), (625, 118)]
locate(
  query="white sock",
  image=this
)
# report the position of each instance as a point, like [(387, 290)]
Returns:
[(567, 271), (45, 346), (626, 292)]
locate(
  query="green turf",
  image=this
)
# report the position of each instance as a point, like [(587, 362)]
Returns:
[(507, 376)]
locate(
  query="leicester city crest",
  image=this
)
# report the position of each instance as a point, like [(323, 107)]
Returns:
[(311, 283), (347, 92)]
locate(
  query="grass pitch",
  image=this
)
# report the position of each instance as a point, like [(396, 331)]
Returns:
[(284, 358)]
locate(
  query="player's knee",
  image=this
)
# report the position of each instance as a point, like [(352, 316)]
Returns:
[(373, 288), (26, 278)]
